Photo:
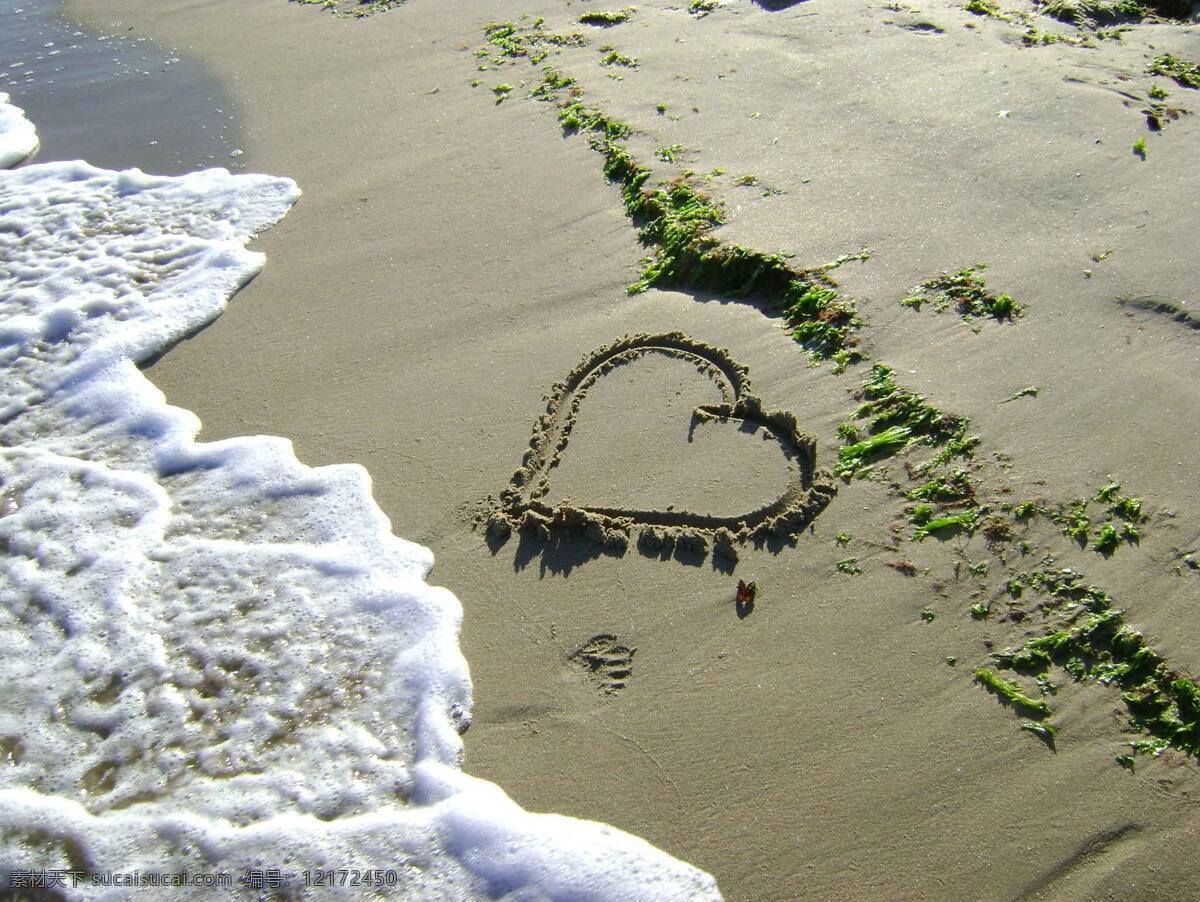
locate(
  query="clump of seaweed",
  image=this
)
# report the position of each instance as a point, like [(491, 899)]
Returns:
[(987, 8), (1044, 731), (967, 292), (1120, 518), (1030, 391), (510, 41), (607, 18), (967, 521), (676, 221), (895, 420), (552, 84), (353, 9), (1089, 640), (1159, 115), (1012, 693), (1035, 37), (668, 152), (1090, 14), (954, 486), (1184, 72), (613, 57)]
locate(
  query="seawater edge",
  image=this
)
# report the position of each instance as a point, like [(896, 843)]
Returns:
[(114, 98)]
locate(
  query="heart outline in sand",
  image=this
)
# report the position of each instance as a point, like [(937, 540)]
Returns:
[(521, 506)]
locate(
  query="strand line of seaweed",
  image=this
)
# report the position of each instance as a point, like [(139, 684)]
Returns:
[(523, 504), (676, 220)]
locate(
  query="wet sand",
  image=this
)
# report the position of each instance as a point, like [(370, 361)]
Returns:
[(453, 258)]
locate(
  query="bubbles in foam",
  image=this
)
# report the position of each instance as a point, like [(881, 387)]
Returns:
[(18, 137), (214, 657)]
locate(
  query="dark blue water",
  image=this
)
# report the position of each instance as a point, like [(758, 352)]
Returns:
[(115, 100)]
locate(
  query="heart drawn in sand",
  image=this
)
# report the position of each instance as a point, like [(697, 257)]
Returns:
[(522, 504)]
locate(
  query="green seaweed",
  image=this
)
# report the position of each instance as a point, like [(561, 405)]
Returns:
[(613, 57), (510, 41), (921, 514), (1099, 647), (552, 84), (887, 404), (1184, 72), (577, 116), (984, 8), (1030, 391), (1107, 539), (852, 458), (1027, 509), (1044, 731), (1088, 13), (1075, 518), (1012, 693), (967, 521), (676, 221), (1062, 586), (953, 486), (1128, 508), (967, 292), (1075, 522), (667, 153), (606, 19), (359, 9), (896, 419), (849, 566)]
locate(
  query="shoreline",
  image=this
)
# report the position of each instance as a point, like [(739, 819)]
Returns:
[(111, 98), (805, 746)]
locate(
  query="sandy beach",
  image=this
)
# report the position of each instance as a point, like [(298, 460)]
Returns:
[(456, 254)]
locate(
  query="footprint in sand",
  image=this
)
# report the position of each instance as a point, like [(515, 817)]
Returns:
[(606, 662)]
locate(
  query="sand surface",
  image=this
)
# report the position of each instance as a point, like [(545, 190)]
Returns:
[(452, 258)]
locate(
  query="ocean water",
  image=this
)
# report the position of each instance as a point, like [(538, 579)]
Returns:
[(113, 98), (223, 675)]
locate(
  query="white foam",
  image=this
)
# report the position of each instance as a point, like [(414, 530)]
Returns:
[(18, 137), (214, 657)]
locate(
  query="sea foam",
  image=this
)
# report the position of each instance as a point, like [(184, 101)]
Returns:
[(18, 137), (216, 660)]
